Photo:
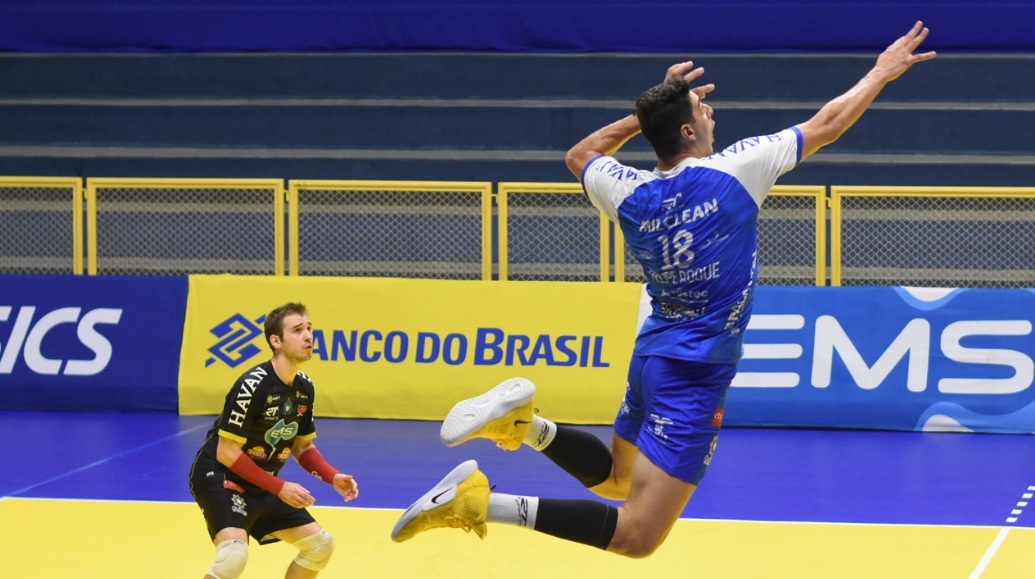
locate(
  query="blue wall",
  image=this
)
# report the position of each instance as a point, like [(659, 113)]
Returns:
[(487, 116), (493, 91), (512, 26)]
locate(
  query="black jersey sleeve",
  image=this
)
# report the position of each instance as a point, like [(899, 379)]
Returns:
[(306, 398)]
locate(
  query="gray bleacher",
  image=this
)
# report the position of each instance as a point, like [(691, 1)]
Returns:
[(958, 120)]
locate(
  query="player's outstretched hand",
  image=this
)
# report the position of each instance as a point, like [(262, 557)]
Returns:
[(897, 58), (687, 70), (346, 486)]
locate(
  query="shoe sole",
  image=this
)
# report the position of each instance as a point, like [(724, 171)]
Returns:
[(453, 479), (469, 415)]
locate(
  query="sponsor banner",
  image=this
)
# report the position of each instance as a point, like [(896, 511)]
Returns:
[(888, 358), (403, 348), (100, 344)]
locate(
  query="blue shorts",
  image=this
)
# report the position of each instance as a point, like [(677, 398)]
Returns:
[(673, 411)]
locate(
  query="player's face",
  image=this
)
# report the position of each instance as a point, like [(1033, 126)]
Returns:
[(297, 343), (702, 124)]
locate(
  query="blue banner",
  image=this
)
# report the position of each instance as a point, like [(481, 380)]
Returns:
[(888, 358), (104, 344), (871, 358)]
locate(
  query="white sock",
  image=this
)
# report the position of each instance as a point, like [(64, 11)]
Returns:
[(541, 434), (513, 509)]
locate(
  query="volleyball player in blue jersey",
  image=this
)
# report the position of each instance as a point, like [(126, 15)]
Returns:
[(692, 225)]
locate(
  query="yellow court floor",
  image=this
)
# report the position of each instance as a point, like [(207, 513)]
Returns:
[(125, 539)]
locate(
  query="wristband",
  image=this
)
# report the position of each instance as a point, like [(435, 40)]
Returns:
[(249, 471), (313, 461)]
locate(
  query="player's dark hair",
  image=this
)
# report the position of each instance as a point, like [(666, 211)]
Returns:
[(274, 323), (662, 110)]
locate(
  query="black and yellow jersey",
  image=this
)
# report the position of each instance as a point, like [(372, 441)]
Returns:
[(266, 416)]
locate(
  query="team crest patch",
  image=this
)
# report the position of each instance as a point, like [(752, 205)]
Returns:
[(238, 505)]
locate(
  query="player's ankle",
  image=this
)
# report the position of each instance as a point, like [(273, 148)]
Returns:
[(541, 434)]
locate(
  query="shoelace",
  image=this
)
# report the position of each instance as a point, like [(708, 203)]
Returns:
[(501, 435), (458, 522), (504, 433)]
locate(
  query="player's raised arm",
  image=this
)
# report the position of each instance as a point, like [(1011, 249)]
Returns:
[(607, 140), (603, 141), (841, 113)]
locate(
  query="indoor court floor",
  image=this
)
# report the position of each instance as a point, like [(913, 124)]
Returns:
[(105, 495)]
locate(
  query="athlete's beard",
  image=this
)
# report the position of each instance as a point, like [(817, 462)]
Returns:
[(302, 356)]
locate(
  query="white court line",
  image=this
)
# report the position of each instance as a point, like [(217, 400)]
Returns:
[(769, 522), (983, 564), (104, 460)]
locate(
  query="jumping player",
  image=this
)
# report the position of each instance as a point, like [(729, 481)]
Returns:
[(268, 416), (692, 225)]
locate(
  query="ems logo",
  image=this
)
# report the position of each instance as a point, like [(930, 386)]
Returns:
[(236, 336), (281, 431)]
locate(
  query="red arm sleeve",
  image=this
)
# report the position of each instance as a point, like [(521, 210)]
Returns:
[(313, 461), (249, 471)]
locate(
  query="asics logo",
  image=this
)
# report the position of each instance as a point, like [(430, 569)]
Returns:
[(27, 338), (236, 345)]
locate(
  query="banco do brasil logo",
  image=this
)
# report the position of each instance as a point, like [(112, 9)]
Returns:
[(236, 344)]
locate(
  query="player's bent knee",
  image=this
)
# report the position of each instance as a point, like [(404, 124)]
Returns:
[(636, 542), (634, 549), (231, 558), (612, 489), (315, 550)]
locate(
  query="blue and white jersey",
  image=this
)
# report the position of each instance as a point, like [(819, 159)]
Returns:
[(694, 229)]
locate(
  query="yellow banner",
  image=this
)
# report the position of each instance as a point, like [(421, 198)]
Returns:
[(403, 348)]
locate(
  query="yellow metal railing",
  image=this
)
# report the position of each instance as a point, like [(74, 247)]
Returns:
[(437, 229), (922, 236), (547, 208), (178, 226), (933, 236), (40, 213)]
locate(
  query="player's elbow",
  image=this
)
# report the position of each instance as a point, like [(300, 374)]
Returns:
[(576, 159), (227, 452), (226, 457)]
